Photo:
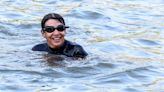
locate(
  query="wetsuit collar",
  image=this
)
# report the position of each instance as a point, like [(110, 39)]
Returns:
[(58, 50)]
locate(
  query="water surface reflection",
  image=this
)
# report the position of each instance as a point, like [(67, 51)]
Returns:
[(124, 40)]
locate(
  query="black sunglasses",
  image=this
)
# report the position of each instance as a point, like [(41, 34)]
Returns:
[(50, 29)]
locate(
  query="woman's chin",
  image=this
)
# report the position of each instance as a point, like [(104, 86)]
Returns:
[(56, 44)]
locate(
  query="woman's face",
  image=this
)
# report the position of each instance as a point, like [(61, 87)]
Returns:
[(56, 38)]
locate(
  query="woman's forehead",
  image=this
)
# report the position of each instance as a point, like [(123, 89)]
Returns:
[(52, 22)]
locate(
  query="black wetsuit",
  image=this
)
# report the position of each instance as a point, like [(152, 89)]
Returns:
[(68, 49)]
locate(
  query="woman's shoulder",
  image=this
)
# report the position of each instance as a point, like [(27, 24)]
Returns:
[(76, 49), (40, 47), (70, 43)]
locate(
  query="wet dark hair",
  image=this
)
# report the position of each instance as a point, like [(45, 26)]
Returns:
[(52, 16)]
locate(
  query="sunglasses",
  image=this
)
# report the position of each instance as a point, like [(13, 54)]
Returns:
[(51, 29)]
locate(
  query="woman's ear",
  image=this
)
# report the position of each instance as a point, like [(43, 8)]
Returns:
[(43, 33)]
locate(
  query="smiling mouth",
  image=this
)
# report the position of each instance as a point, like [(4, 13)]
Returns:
[(56, 38)]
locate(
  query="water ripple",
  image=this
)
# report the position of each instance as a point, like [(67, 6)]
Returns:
[(124, 40)]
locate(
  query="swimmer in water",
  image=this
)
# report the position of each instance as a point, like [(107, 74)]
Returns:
[(54, 30)]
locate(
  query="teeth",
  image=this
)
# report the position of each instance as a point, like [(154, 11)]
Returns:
[(56, 38)]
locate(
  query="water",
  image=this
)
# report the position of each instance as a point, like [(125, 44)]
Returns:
[(124, 39)]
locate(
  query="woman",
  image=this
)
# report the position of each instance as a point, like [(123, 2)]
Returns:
[(54, 30)]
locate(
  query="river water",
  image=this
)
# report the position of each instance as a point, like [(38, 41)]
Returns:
[(124, 39)]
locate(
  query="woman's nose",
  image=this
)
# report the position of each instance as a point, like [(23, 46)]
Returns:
[(55, 31)]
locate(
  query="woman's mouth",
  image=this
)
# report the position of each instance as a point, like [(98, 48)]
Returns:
[(56, 38)]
